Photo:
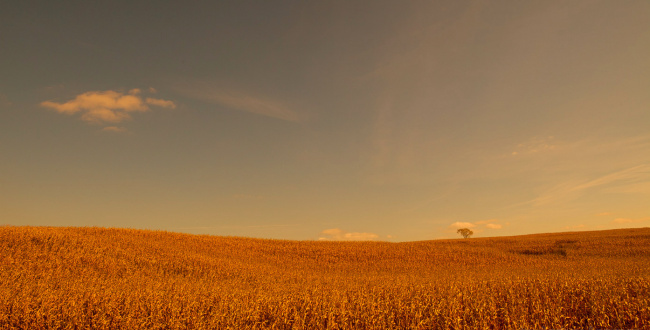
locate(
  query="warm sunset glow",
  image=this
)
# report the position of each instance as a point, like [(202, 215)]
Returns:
[(347, 121)]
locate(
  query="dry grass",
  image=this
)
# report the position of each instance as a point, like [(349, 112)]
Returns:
[(67, 278)]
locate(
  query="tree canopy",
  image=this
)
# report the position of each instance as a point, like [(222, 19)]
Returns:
[(466, 232)]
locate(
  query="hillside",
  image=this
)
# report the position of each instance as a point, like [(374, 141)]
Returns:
[(122, 278)]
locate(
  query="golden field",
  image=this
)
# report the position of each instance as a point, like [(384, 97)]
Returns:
[(79, 278)]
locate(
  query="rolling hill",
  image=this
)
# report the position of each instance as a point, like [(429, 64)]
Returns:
[(60, 278)]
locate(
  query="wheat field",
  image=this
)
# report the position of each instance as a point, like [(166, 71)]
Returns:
[(81, 278)]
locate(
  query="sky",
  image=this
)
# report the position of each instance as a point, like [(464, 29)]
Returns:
[(326, 120)]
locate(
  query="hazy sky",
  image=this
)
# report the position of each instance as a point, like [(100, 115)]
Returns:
[(384, 120)]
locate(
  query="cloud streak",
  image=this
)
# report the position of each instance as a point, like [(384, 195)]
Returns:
[(458, 225), (536, 145), (635, 177), (478, 225), (114, 129), (242, 101), (107, 107), (630, 221), (336, 234), (630, 175)]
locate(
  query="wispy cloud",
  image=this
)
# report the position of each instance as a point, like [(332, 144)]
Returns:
[(161, 103), (637, 176), (536, 145), (336, 234), (489, 224), (458, 225), (114, 129), (631, 188), (241, 100), (630, 175), (630, 221), (101, 107)]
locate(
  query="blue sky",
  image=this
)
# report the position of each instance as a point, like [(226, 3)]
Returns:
[(326, 120)]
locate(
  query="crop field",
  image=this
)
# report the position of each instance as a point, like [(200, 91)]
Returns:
[(79, 278)]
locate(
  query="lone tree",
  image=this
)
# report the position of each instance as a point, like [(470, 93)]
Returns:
[(465, 232)]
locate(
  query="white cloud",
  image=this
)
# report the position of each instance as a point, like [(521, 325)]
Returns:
[(161, 103), (482, 222), (100, 107), (336, 234), (99, 115), (458, 225), (478, 225)]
